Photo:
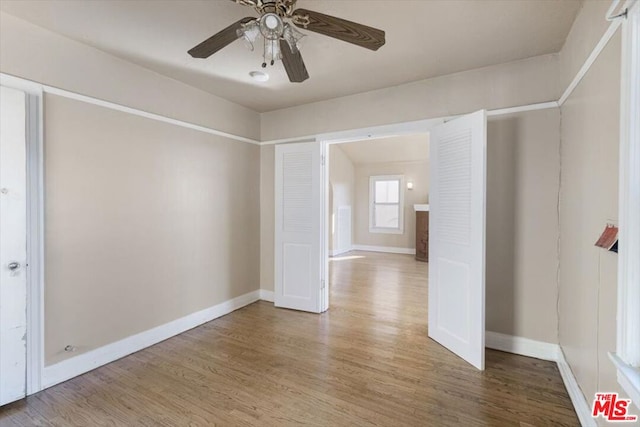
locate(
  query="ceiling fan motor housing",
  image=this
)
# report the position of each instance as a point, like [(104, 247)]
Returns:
[(282, 8)]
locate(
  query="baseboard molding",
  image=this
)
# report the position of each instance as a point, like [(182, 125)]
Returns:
[(386, 249), (67, 369), (522, 346), (545, 351), (78, 365), (266, 295), (338, 252), (575, 393)]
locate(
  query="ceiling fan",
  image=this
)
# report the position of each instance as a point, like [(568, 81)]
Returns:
[(281, 37)]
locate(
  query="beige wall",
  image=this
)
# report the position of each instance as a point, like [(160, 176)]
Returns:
[(589, 199), (145, 222), (418, 172), (342, 187), (33, 53), (516, 83), (586, 31), (523, 174)]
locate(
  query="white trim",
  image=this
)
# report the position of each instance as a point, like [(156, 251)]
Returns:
[(35, 243), (35, 228), (628, 345), (628, 378), (67, 369), (385, 249), (578, 399), (609, 16), (27, 86), (522, 108), (627, 357), (324, 226), (382, 131), (118, 107), (590, 60), (399, 129), (338, 252), (522, 346), (266, 295), (545, 351), (304, 138)]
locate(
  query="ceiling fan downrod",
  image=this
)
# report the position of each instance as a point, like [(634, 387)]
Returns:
[(282, 8)]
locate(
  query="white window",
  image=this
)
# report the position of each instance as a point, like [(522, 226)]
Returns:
[(386, 204)]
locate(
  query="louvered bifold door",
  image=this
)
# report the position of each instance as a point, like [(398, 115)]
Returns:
[(457, 236), (298, 226)]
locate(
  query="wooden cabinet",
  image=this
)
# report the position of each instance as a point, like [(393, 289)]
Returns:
[(422, 236)]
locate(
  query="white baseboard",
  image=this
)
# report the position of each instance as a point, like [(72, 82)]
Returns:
[(67, 369), (545, 351), (340, 251), (266, 295), (522, 346), (386, 249), (575, 393)]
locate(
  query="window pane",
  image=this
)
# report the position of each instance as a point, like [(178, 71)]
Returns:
[(387, 216), (387, 191)]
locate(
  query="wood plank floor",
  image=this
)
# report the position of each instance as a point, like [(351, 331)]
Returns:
[(365, 362)]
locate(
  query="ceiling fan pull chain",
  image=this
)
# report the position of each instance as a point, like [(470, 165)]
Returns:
[(274, 51), (264, 53)]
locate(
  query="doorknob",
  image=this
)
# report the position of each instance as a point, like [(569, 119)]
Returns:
[(13, 266)]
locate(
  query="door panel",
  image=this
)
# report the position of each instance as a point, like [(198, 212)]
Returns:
[(457, 236), (13, 245), (298, 227)]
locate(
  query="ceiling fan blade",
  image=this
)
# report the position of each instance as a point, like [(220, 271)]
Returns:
[(219, 40), (351, 32), (293, 63)]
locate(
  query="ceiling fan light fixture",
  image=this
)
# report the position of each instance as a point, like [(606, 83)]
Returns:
[(249, 33), (271, 26), (293, 37)]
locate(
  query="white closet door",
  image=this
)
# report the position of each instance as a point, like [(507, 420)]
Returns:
[(13, 245), (298, 258), (457, 236)]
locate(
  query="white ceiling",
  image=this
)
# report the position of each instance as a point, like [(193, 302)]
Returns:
[(393, 149), (425, 38)]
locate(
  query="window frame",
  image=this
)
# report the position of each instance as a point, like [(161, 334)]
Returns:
[(627, 356), (372, 203)]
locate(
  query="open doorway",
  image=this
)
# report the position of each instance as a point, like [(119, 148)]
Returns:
[(377, 238), (457, 189)]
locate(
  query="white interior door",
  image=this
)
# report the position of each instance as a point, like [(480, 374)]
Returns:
[(298, 254), (13, 245), (457, 236)]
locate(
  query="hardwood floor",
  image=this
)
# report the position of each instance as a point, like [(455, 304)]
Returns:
[(367, 361)]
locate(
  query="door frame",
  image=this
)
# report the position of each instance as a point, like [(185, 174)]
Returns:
[(35, 227), (370, 133), (342, 137)]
